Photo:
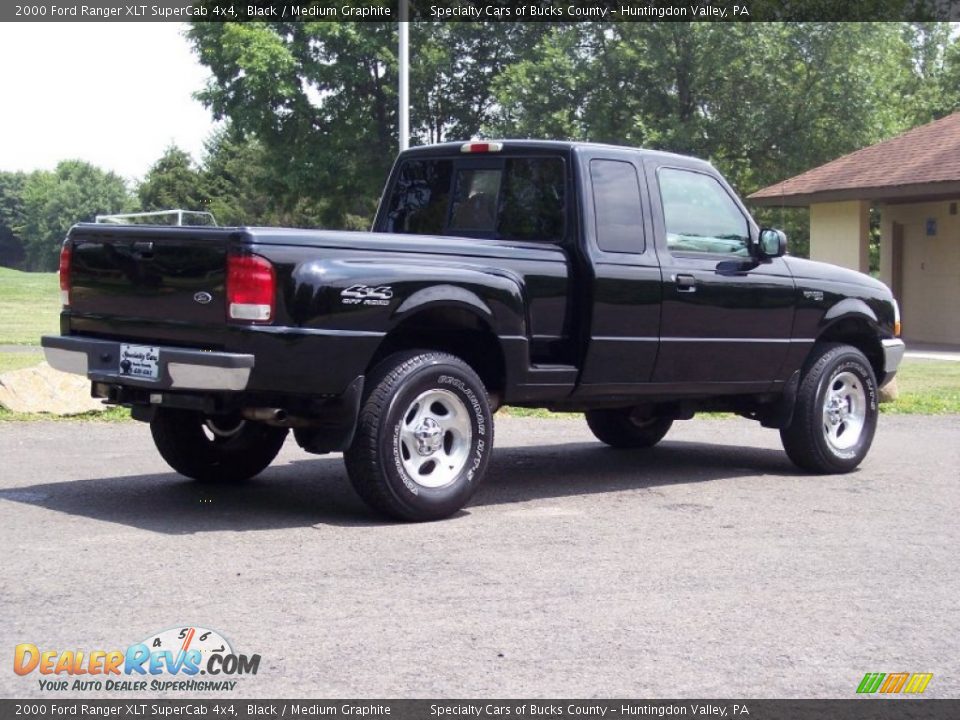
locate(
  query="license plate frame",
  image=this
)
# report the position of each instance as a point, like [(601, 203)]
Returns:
[(139, 362)]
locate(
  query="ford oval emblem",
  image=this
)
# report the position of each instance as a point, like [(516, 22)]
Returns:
[(203, 298)]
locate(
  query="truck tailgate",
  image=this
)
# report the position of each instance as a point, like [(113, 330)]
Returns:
[(171, 275)]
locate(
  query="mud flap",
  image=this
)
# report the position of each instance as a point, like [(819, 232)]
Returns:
[(781, 414), (336, 424)]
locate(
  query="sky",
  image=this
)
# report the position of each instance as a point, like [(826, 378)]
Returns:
[(113, 94)]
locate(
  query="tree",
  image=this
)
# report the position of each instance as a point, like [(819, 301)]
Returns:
[(239, 183), (173, 182), (452, 69), (53, 201), (931, 87), (320, 99), (762, 101), (11, 218)]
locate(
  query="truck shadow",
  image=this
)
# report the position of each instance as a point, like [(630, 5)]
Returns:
[(316, 491)]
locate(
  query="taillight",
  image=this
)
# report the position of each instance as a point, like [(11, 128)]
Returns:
[(65, 254), (251, 288)]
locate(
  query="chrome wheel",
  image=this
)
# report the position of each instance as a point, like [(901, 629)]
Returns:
[(844, 411), (434, 438)]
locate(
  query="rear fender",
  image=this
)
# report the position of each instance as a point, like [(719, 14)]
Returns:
[(502, 311)]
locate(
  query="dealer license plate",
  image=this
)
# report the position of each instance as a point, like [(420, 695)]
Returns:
[(140, 361)]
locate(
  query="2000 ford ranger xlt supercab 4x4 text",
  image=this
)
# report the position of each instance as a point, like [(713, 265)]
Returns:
[(627, 284)]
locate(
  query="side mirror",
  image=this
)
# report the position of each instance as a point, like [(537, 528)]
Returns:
[(772, 243)]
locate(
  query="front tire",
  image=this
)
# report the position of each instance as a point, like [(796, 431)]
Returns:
[(214, 449), (621, 428), (836, 412), (423, 438)]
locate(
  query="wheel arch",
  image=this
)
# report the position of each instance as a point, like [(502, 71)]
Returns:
[(856, 327), (455, 325)]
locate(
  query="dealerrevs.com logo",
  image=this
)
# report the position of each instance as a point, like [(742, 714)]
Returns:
[(172, 660), (894, 683)]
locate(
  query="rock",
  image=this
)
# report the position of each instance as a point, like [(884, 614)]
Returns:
[(889, 392), (42, 389)]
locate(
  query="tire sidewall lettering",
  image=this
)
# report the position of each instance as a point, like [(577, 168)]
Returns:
[(425, 378), (479, 421), (856, 367)]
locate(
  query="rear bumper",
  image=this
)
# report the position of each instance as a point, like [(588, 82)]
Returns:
[(178, 368), (893, 350)]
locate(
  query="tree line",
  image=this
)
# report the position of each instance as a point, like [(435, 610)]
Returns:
[(310, 110)]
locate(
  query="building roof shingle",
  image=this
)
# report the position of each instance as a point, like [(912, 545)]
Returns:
[(922, 161)]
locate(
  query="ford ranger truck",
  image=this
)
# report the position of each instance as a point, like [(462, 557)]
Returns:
[(627, 284)]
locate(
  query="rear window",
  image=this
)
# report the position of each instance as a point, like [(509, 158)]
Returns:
[(508, 198)]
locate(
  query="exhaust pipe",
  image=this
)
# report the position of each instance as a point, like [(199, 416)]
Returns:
[(273, 416), (277, 417)]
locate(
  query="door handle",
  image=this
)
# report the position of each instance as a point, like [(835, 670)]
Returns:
[(685, 283)]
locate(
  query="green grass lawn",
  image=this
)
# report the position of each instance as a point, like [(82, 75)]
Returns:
[(29, 306), (114, 414), (927, 387), (18, 360)]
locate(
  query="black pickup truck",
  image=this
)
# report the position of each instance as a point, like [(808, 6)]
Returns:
[(628, 284)]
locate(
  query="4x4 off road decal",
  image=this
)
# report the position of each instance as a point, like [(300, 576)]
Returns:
[(366, 295)]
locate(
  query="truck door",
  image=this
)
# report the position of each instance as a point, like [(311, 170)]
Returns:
[(725, 318), (622, 294)]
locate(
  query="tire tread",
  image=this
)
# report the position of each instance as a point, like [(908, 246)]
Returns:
[(801, 439), (181, 443), (363, 458)]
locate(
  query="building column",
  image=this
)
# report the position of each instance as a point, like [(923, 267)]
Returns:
[(886, 247), (840, 233)]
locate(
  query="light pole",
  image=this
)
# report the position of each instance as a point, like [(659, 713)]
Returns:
[(404, 75)]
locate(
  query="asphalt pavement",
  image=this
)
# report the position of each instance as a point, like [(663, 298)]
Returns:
[(706, 567)]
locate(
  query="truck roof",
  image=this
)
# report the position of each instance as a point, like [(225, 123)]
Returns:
[(454, 147)]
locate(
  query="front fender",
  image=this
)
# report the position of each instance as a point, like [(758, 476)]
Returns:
[(849, 308)]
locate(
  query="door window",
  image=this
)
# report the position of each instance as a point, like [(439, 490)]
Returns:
[(700, 216)]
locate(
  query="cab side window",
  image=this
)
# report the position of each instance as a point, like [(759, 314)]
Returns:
[(616, 200), (700, 216)]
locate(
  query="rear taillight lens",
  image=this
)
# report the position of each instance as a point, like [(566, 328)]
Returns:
[(65, 254), (251, 288)]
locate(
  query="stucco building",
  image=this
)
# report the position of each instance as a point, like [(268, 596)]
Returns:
[(914, 182)]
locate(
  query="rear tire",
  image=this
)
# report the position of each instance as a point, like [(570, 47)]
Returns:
[(836, 412), (619, 428), (423, 438), (214, 449)]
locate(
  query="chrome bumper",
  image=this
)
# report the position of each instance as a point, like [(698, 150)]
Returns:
[(179, 368), (893, 350)]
